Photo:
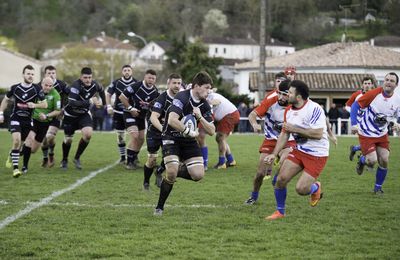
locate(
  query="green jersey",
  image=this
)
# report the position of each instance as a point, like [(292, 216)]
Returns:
[(53, 103)]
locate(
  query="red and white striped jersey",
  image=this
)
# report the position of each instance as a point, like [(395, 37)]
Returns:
[(354, 97), (309, 116), (378, 110)]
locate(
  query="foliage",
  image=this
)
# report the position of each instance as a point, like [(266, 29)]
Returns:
[(110, 216), (8, 43), (215, 23)]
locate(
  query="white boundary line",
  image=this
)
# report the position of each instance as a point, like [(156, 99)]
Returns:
[(55, 194)]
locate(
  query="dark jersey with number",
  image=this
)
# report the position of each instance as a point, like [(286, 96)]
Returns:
[(23, 94), (79, 97), (63, 90), (141, 97), (183, 104), (161, 105), (117, 87)]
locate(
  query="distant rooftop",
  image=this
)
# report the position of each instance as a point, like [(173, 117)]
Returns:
[(333, 55), (242, 41), (387, 41)]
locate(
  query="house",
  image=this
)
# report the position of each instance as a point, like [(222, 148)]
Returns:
[(369, 18), (332, 70), (390, 41), (11, 65), (154, 52)]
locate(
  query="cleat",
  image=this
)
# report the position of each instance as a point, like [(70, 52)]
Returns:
[(317, 196), (352, 153), (205, 168), (131, 166), (231, 164), (122, 161), (158, 179), (51, 161), (250, 201), (275, 215), (146, 186), (45, 162), (220, 166), (378, 191), (158, 212), (64, 164), (77, 163), (267, 177), (360, 166), (16, 173), (24, 170), (8, 162)]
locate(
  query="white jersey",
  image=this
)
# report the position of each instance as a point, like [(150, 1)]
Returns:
[(378, 111), (225, 107), (309, 116)]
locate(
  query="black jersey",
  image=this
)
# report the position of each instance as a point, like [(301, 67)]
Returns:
[(63, 90), (117, 87), (183, 104), (161, 105), (79, 97), (22, 95), (141, 97)]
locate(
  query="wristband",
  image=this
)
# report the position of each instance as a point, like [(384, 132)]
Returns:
[(109, 106), (198, 119), (1, 113), (130, 108), (47, 116)]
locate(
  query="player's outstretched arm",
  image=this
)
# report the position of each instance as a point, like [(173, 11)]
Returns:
[(253, 121)]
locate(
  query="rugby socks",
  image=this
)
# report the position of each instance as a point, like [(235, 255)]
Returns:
[(165, 190), (51, 150), (254, 195), (229, 158), (15, 158), (134, 156), (362, 159), (314, 188), (66, 147), (81, 148), (184, 173), (130, 155), (27, 155), (45, 152), (280, 197), (221, 160), (274, 179), (147, 174), (204, 152), (356, 148), (121, 148), (380, 177)]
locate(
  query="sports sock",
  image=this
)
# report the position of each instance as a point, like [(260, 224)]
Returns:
[(362, 159), (229, 158), (45, 152), (66, 147), (254, 195), (221, 160), (280, 197), (51, 148), (81, 148), (274, 179), (121, 148), (165, 190), (27, 155), (134, 155), (130, 154), (204, 152), (184, 173), (15, 157), (380, 177), (356, 148), (147, 174), (314, 188)]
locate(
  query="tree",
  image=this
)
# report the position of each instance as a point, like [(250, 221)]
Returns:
[(215, 23), (175, 54)]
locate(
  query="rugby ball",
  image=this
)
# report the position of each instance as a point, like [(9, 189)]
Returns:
[(190, 122)]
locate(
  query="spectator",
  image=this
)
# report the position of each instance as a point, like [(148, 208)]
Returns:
[(98, 117), (333, 115), (242, 108)]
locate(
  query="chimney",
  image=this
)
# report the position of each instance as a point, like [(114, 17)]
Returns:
[(372, 42)]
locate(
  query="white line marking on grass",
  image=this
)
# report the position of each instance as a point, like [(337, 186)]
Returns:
[(55, 194)]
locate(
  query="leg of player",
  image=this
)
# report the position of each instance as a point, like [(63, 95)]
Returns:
[(307, 185), (258, 180), (201, 139), (148, 169), (370, 159), (51, 143), (353, 151), (288, 170), (193, 169), (83, 143), (121, 145), (172, 165), (230, 161), (132, 151), (381, 172), (16, 144), (31, 145), (220, 138)]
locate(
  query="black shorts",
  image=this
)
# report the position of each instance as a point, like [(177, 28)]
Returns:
[(131, 121), (154, 142), (40, 129), (71, 124), (20, 125), (55, 122), (183, 148), (119, 121)]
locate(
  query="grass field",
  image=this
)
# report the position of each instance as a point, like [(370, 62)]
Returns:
[(110, 216)]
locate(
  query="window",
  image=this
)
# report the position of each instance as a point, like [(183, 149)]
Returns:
[(224, 50), (216, 50), (153, 48)]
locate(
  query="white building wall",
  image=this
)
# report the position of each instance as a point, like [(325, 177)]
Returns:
[(249, 52), (151, 51)]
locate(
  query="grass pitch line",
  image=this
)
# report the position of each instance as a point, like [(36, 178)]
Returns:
[(55, 194)]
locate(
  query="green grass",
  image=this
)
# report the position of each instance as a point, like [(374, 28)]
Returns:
[(110, 216)]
